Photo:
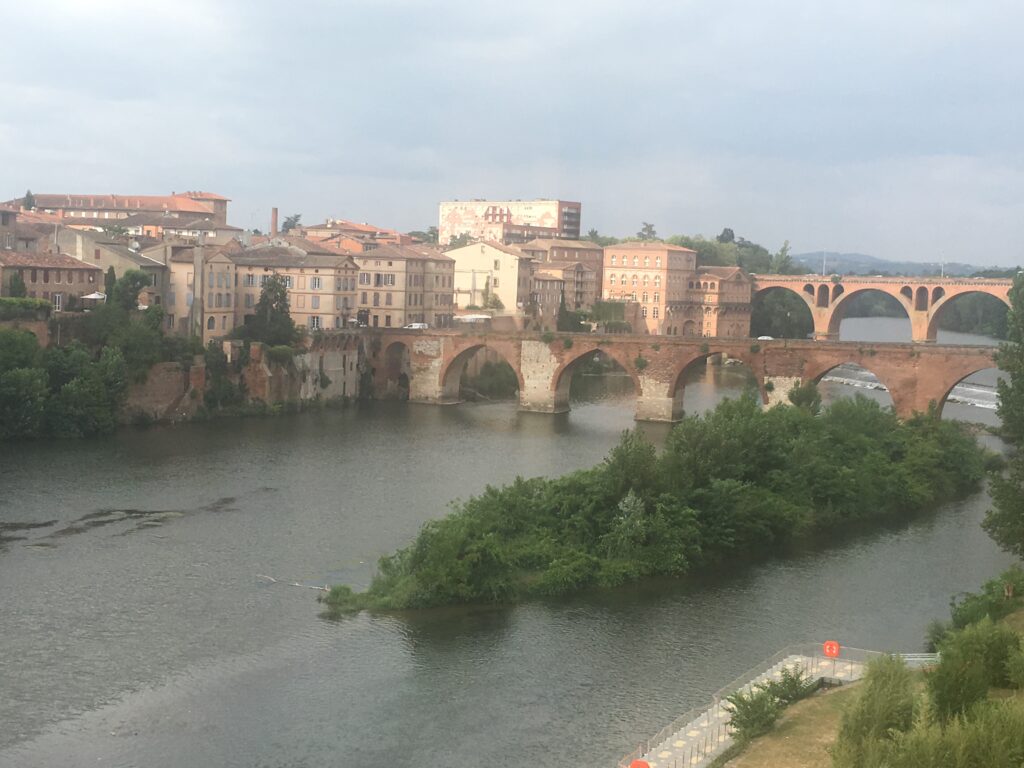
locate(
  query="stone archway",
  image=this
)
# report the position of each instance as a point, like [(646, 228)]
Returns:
[(996, 374), (562, 378), (838, 310), (393, 378), (715, 382), (943, 302), (850, 374), (451, 373)]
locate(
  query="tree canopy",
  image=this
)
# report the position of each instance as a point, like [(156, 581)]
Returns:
[(291, 222), (272, 322)]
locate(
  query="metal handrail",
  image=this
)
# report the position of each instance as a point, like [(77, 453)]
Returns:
[(747, 681)]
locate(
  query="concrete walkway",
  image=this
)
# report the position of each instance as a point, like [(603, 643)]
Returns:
[(698, 740)]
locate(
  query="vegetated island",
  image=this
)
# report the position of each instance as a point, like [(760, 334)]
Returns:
[(738, 483)]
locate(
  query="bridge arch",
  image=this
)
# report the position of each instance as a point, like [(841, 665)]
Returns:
[(817, 374), (838, 310), (562, 377), (393, 377), (687, 367), (944, 301), (768, 305), (941, 402), (452, 370)]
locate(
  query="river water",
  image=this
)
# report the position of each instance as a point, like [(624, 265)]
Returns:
[(137, 630)]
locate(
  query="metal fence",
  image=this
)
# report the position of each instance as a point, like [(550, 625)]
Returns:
[(706, 731)]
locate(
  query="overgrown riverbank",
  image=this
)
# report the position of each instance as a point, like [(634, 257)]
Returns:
[(738, 483)]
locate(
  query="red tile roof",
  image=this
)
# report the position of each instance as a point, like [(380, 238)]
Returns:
[(122, 203)]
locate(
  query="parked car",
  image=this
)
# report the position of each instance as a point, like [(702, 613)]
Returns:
[(416, 326), (766, 338)]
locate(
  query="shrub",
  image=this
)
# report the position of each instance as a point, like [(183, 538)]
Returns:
[(1015, 668), (753, 713), (971, 607), (884, 705), (24, 309), (567, 342), (640, 362), (547, 337), (755, 348), (281, 354), (792, 686)]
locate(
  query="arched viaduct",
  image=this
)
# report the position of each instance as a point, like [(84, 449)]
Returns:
[(923, 298), (430, 364)]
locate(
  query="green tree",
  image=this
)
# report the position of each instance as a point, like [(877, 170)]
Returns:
[(806, 396), (126, 289), (1004, 522), (23, 396), (272, 321), (115, 230), (647, 232), (727, 236), (781, 262), (461, 240), (18, 289), (109, 281), (291, 222), (602, 240), (29, 201), (18, 349)]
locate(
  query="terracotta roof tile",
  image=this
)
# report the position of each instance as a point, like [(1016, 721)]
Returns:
[(42, 261)]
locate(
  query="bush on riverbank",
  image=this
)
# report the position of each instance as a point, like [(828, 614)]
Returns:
[(738, 482)]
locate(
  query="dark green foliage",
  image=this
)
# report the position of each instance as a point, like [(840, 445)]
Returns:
[(221, 392), (739, 482), (281, 354), (647, 232), (792, 686), (991, 602), (23, 395), (806, 396), (18, 349), (973, 660), (495, 380), (109, 281), (975, 313), (28, 202), (126, 290), (18, 290), (12, 308), (1015, 668), (780, 314), (753, 713), (272, 321), (884, 706), (290, 223)]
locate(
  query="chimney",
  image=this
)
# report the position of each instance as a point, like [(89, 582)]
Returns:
[(273, 222)]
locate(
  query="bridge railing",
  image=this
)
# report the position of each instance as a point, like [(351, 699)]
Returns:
[(713, 718)]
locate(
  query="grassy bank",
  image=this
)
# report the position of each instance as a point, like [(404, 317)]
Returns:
[(738, 483)]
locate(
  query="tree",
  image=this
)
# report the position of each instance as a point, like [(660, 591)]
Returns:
[(429, 235), (115, 230), (29, 201), (781, 262), (647, 232), (18, 289), (125, 292), (18, 349), (727, 236), (461, 240), (290, 223), (272, 323), (109, 280), (1005, 521), (594, 237), (22, 402)]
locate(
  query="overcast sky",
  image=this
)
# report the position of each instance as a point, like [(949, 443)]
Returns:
[(888, 128)]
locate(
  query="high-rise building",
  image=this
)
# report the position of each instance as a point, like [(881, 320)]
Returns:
[(508, 221)]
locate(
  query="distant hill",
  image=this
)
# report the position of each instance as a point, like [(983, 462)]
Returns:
[(862, 264)]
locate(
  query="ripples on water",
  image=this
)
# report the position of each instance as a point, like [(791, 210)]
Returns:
[(136, 631)]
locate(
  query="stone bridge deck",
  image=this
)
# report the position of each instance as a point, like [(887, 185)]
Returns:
[(430, 363)]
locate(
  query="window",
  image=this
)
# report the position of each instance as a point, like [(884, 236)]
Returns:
[(210, 324), (96, 254), (46, 275), (58, 301), (376, 299), (314, 301), (657, 261), (611, 280), (657, 297), (250, 280), (634, 281), (364, 279), (263, 280), (315, 323), (387, 299), (636, 261), (287, 281), (497, 264), (362, 299), (645, 297), (389, 279), (632, 296), (56, 276), (387, 320), (654, 312), (248, 300), (647, 261), (495, 282), (188, 299), (613, 259), (657, 281), (224, 322)]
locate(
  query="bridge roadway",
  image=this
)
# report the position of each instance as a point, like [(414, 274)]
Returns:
[(430, 364)]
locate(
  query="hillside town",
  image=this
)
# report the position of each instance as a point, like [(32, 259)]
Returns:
[(513, 264)]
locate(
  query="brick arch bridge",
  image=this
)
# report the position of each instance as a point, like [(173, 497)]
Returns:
[(923, 298), (432, 363)]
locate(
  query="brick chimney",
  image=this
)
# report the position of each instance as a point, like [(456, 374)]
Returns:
[(273, 222)]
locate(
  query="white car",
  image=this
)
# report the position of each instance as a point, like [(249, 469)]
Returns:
[(416, 326), (766, 338)]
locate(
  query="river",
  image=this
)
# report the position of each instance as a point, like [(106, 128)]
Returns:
[(137, 630)]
